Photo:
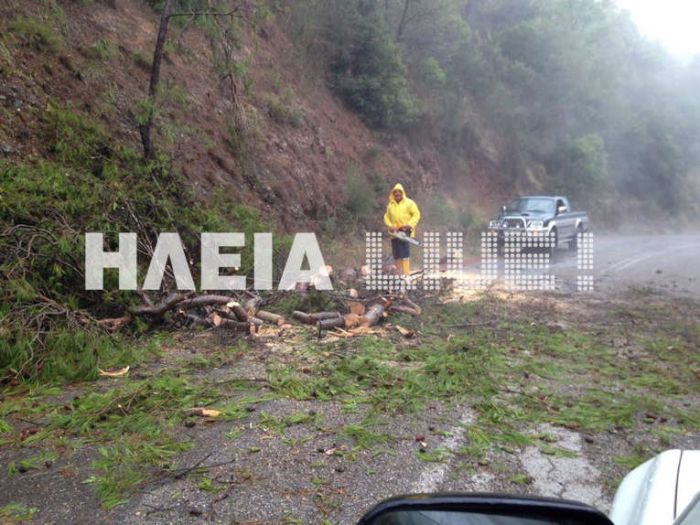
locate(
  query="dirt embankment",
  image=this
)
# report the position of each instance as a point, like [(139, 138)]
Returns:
[(272, 135)]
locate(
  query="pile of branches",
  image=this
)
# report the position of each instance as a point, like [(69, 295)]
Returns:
[(350, 311), (359, 314), (246, 316), (208, 310)]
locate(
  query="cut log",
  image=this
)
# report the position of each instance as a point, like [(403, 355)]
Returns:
[(305, 318), (220, 322), (412, 305), (321, 316), (352, 320), (405, 310), (116, 323), (252, 305), (374, 313), (327, 324), (356, 307), (226, 313), (196, 320), (302, 317), (269, 317), (238, 310)]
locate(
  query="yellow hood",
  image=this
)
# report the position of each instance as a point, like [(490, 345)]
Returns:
[(399, 187), (404, 213)]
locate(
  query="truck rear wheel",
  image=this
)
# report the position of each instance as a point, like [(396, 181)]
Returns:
[(554, 239), (573, 243)]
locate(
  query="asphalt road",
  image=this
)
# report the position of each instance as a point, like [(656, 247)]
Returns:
[(656, 263), (667, 263)]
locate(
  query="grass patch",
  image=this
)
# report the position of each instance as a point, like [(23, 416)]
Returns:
[(17, 512), (436, 455), (133, 426), (639, 455), (36, 462), (102, 49), (283, 109), (363, 438), (521, 479), (278, 425), (125, 466), (36, 33)]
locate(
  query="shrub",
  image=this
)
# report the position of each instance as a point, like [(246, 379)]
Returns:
[(360, 197)]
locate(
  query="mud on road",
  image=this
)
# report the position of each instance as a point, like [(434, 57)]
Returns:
[(557, 394)]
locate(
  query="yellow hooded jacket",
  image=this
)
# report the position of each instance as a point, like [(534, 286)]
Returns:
[(404, 213)]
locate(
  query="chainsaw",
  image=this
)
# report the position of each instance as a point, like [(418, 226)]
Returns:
[(405, 238)]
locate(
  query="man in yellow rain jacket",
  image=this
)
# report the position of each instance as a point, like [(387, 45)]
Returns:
[(402, 214)]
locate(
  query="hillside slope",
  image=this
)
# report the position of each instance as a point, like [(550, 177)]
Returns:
[(272, 136)]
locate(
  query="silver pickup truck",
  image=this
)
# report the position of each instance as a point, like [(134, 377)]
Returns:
[(544, 215)]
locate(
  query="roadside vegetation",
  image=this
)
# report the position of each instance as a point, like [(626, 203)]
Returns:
[(86, 183)]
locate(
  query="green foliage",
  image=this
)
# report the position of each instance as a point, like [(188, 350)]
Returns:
[(31, 463), (362, 437), (443, 215), (578, 99), (102, 49), (131, 424), (36, 33), (360, 196), (284, 109), (583, 168), (89, 184), (367, 69), (17, 512), (431, 73), (314, 301), (125, 466)]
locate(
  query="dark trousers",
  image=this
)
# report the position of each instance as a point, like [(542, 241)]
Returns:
[(399, 249)]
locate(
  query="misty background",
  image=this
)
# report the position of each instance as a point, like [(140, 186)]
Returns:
[(582, 103)]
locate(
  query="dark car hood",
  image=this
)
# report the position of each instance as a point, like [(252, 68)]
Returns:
[(526, 215)]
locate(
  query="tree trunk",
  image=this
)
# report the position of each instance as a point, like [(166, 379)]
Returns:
[(145, 128), (402, 23)]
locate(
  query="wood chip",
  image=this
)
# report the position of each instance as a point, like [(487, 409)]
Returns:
[(114, 373), (204, 412), (405, 331)]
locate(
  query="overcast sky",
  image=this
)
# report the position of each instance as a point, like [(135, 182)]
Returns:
[(674, 23)]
